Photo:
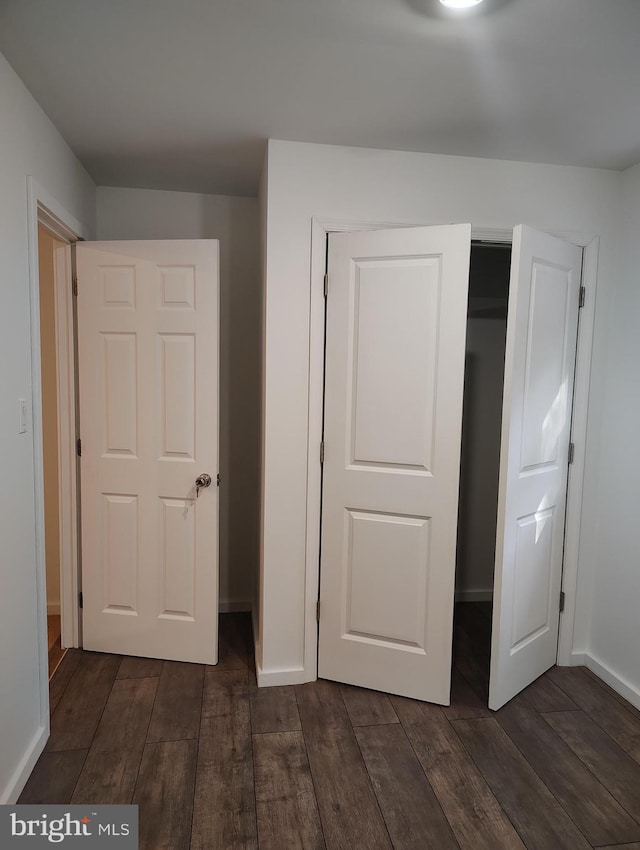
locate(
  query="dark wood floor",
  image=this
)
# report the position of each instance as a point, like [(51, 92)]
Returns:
[(213, 762)]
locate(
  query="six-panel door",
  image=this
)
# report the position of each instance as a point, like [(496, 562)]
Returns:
[(148, 375)]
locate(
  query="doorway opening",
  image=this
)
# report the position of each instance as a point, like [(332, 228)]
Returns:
[(52, 233), (397, 315), (48, 245), (480, 459)]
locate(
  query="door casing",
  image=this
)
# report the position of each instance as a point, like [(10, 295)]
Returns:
[(41, 206), (320, 228)]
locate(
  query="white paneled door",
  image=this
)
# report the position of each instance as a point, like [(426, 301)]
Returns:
[(536, 424), (395, 344), (148, 373)]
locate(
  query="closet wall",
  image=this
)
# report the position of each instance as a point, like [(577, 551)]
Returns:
[(480, 458)]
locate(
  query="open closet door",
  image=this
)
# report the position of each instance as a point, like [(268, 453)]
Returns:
[(542, 325), (395, 347), (148, 399)]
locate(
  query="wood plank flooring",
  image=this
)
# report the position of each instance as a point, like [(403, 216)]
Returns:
[(214, 762)]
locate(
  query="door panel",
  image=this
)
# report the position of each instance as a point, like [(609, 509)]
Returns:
[(383, 604), (396, 323), (120, 558), (391, 412), (148, 372), (536, 424)]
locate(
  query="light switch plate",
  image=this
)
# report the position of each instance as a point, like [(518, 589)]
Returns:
[(23, 416)]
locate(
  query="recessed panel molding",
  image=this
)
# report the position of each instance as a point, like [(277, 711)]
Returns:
[(386, 578), (532, 581), (394, 362), (118, 287), (178, 396), (120, 553), (178, 558), (547, 398), (120, 370), (177, 287)]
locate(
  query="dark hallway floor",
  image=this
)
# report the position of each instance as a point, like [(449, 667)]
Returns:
[(213, 762)]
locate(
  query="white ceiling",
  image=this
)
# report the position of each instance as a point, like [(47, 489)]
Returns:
[(181, 94)]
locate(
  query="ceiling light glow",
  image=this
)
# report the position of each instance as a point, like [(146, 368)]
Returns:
[(460, 4)]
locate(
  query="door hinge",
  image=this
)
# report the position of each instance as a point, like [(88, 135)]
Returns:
[(561, 601), (218, 479), (326, 285), (80, 600), (318, 610), (322, 452), (583, 295), (79, 447), (572, 452), (74, 285)]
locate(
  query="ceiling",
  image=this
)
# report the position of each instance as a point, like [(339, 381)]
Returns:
[(182, 95)]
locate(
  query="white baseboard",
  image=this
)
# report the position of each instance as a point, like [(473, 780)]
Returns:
[(233, 606), (578, 659), (272, 678), (619, 684), (474, 595), (53, 608), (10, 794)]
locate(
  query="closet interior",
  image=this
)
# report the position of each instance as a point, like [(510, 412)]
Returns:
[(480, 460)]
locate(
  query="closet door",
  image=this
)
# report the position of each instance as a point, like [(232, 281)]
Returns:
[(536, 423), (395, 344)]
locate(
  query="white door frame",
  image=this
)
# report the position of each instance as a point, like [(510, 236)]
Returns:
[(320, 227), (44, 208)]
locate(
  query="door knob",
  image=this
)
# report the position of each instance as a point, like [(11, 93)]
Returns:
[(203, 480)]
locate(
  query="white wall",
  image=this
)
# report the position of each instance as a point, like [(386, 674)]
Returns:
[(151, 214), (368, 185), (614, 641), (29, 145)]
